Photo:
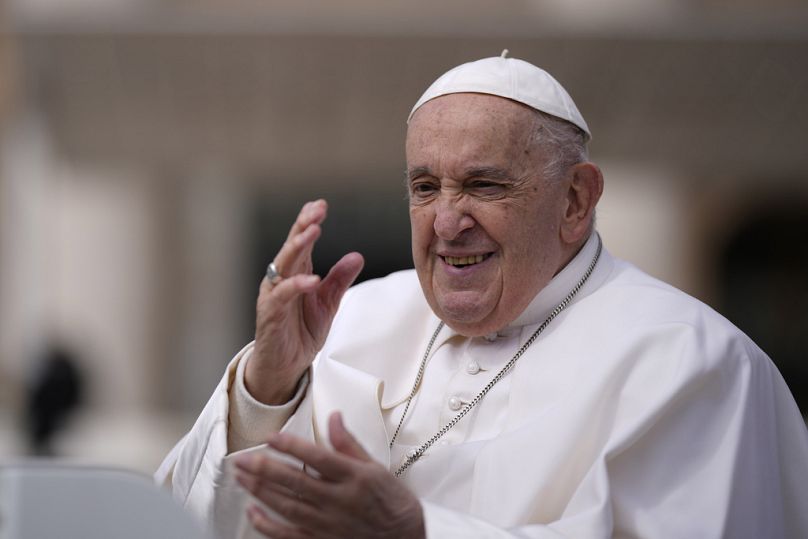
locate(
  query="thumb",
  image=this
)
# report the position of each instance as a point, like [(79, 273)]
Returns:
[(340, 277), (342, 440)]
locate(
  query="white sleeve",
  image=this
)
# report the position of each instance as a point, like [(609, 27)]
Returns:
[(250, 421), (199, 470)]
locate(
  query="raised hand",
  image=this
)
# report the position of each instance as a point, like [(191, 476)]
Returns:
[(294, 315), (352, 496)]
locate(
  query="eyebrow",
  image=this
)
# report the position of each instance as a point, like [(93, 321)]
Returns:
[(492, 173), (418, 171)]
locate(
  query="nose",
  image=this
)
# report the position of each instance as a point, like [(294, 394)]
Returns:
[(451, 218)]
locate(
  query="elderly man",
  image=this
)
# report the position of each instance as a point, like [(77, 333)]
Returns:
[(521, 382)]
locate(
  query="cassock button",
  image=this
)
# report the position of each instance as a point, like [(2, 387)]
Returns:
[(455, 403), (473, 367)]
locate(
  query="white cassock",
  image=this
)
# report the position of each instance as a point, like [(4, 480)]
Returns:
[(638, 412)]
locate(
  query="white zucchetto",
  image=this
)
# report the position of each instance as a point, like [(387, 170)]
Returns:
[(510, 78)]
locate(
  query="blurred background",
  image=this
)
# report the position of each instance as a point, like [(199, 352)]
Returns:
[(154, 152)]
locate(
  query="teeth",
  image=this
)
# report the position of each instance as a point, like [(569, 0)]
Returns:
[(464, 260)]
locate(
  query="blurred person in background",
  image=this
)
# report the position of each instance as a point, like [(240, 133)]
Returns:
[(519, 382), (53, 394)]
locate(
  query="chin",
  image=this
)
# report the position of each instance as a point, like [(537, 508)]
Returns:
[(478, 329), (469, 324), (467, 312)]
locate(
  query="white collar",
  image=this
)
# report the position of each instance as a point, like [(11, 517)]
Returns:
[(559, 286)]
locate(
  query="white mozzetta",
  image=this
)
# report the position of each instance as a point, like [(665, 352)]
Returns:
[(638, 412)]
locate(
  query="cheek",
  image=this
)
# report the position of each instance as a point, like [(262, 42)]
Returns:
[(421, 232), (420, 229), (528, 240)]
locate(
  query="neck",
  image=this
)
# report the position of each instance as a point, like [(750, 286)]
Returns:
[(570, 251)]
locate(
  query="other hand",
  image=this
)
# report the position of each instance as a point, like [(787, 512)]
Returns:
[(353, 496)]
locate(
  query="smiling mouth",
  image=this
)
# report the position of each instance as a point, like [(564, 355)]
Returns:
[(463, 261)]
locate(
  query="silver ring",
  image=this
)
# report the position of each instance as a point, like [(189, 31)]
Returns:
[(273, 275)]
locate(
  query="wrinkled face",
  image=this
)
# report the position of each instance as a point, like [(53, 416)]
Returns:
[(485, 222)]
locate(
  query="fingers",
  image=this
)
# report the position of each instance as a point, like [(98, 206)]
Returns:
[(293, 509), (287, 290), (269, 527), (311, 212), (287, 490), (330, 465), (295, 255), (339, 278), (352, 497), (263, 523), (342, 440), (269, 475)]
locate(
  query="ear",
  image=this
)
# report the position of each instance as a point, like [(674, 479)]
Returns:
[(585, 188)]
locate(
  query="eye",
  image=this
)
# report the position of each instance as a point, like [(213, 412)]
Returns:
[(423, 188), (486, 187), (482, 184)]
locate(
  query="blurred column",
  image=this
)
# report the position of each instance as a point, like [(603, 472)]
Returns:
[(11, 345), (26, 180), (210, 329), (644, 217)]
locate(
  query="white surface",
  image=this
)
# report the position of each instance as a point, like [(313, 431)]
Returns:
[(46, 499)]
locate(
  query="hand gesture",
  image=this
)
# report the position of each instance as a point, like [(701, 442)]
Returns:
[(353, 496), (294, 315)]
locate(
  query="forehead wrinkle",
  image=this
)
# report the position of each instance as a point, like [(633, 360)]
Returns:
[(451, 141)]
